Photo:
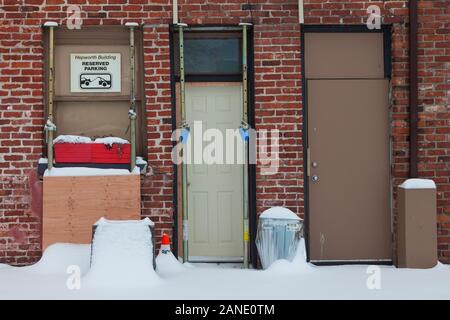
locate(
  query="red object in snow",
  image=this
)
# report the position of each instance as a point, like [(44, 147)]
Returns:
[(92, 153), (165, 244), (73, 152), (165, 239)]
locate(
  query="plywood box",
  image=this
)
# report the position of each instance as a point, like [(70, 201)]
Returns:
[(417, 228), (72, 204)]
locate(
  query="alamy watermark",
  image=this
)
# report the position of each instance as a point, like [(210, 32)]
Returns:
[(374, 19), (74, 20), (197, 145), (73, 281), (373, 281)]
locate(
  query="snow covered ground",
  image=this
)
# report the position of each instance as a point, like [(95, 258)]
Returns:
[(48, 279)]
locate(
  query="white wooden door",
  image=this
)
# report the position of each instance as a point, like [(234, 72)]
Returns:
[(215, 191)]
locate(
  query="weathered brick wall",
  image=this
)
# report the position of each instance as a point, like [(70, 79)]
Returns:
[(277, 98), (434, 104), (157, 186), (21, 121)]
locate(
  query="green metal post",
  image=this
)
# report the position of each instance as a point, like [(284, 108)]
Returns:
[(185, 127), (245, 126), (132, 112), (50, 127)]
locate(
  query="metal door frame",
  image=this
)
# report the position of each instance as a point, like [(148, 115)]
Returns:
[(386, 30), (253, 255)]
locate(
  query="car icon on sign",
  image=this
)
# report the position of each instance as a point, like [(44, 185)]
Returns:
[(95, 81)]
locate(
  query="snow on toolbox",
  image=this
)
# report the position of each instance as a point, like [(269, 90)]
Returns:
[(78, 149)]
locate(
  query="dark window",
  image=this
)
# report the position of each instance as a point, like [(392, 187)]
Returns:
[(209, 55)]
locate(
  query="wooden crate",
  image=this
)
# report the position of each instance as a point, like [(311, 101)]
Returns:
[(72, 204)]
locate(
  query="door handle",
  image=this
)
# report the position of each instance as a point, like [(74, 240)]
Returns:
[(310, 164), (315, 178)]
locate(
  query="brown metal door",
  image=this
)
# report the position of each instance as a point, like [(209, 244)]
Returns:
[(348, 140)]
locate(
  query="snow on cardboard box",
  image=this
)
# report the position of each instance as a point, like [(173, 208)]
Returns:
[(122, 255)]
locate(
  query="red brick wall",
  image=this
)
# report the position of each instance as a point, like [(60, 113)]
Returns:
[(277, 98), (434, 102), (21, 121), (157, 186)]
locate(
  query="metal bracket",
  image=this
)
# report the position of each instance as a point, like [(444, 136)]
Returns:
[(132, 114)]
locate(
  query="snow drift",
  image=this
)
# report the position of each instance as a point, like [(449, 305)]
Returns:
[(167, 264), (283, 280), (298, 264), (59, 256)]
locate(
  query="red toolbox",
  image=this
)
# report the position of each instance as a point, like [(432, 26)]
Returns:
[(115, 153), (73, 152), (92, 153)]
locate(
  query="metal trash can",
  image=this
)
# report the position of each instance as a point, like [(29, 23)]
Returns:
[(278, 236)]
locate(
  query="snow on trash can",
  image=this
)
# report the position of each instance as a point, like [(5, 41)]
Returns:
[(278, 236)]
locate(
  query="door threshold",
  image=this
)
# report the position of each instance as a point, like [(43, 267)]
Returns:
[(386, 262), (208, 259), (218, 265)]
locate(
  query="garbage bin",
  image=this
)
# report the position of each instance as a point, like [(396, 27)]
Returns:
[(279, 233)]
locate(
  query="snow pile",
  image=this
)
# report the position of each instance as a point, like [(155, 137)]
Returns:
[(418, 184), (298, 264), (167, 264), (71, 139), (111, 140), (279, 213), (283, 280), (82, 171), (81, 139), (122, 255), (59, 256), (140, 160)]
